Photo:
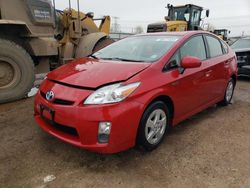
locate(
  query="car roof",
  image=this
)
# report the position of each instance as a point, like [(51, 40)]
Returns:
[(179, 33)]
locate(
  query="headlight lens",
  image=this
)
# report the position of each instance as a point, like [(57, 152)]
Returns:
[(111, 94)]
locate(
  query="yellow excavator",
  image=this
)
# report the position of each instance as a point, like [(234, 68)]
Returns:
[(180, 18), (35, 37)]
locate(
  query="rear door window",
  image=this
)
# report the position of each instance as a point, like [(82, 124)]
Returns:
[(214, 46), (194, 47)]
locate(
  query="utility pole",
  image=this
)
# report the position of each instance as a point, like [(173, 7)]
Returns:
[(115, 26)]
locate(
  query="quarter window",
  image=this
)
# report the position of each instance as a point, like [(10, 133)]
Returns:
[(194, 47), (174, 62), (225, 47), (214, 46)]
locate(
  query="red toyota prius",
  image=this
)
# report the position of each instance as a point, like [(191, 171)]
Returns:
[(132, 91)]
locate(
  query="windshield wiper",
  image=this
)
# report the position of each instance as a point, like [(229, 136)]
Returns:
[(122, 59), (93, 56)]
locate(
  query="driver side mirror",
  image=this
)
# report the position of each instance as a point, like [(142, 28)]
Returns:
[(189, 62)]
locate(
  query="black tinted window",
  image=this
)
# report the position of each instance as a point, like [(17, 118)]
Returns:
[(194, 47), (214, 46)]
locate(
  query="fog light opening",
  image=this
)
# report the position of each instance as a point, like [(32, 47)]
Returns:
[(104, 132)]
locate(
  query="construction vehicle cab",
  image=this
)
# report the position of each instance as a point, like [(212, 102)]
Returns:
[(180, 18), (222, 33)]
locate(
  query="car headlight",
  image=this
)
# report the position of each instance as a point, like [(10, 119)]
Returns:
[(112, 93)]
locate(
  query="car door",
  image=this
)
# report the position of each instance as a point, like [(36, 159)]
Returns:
[(218, 62), (189, 88)]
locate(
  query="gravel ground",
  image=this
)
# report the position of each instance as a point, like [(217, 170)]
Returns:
[(211, 149)]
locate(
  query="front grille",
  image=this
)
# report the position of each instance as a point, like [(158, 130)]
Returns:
[(58, 101), (43, 94), (63, 102), (62, 128)]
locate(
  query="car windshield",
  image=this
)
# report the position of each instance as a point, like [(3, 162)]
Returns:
[(241, 43), (137, 48)]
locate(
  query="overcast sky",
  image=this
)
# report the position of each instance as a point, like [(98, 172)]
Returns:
[(231, 14)]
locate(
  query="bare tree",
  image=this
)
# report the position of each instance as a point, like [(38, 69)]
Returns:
[(138, 29)]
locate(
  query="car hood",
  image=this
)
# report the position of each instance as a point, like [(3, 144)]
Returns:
[(92, 73)]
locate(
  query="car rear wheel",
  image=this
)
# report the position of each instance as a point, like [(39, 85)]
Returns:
[(153, 126), (228, 93), (102, 44)]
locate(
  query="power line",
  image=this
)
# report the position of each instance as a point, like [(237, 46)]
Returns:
[(233, 25), (230, 17), (218, 18)]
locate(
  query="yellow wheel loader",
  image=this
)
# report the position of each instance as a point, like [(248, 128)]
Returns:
[(222, 33), (35, 38), (180, 18)]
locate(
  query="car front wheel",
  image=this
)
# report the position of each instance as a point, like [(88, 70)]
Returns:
[(153, 126)]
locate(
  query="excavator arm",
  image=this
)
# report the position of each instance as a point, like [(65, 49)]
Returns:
[(105, 24)]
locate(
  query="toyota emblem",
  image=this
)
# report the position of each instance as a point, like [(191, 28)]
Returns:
[(50, 95)]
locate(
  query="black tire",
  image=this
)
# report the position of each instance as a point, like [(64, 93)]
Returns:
[(17, 73), (142, 141), (102, 44), (227, 100)]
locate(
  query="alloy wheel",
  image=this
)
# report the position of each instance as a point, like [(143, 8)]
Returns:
[(156, 126), (229, 91)]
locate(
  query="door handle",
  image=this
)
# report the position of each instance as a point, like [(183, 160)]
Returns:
[(175, 83), (208, 73)]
